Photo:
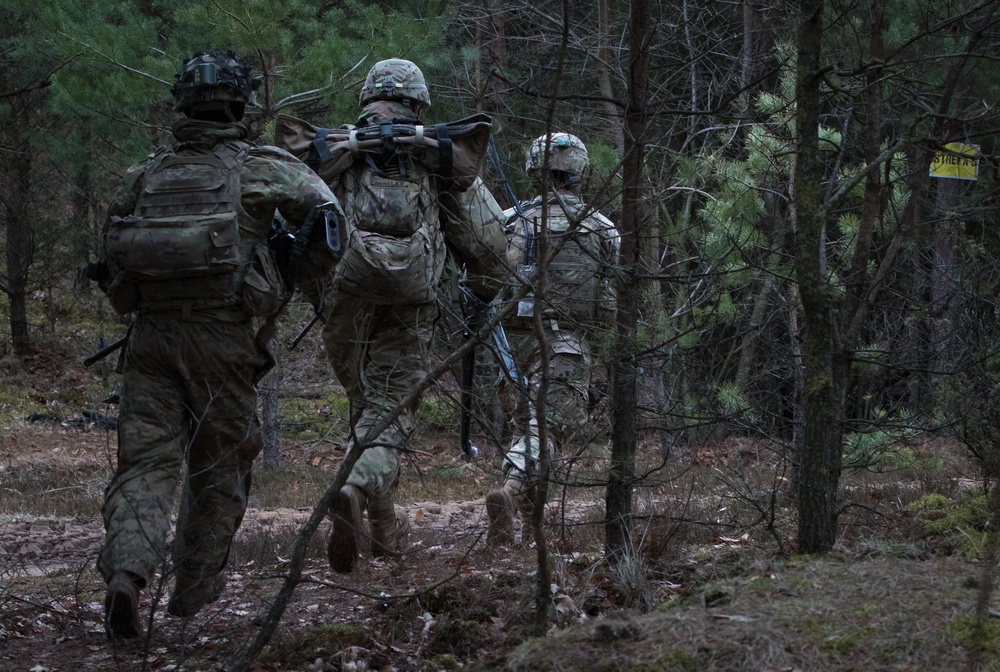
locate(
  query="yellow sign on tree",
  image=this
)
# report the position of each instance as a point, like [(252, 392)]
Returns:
[(958, 161)]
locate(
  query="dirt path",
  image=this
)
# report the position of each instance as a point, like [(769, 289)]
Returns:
[(38, 546)]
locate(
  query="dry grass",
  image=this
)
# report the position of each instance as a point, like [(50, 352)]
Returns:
[(712, 581)]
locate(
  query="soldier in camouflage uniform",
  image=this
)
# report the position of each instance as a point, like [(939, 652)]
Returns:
[(185, 247), (377, 338), (579, 301)]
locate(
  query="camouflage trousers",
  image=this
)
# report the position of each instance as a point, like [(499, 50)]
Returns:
[(569, 365), (187, 401), (379, 354)]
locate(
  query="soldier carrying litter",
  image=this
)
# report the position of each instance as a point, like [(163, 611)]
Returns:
[(414, 195)]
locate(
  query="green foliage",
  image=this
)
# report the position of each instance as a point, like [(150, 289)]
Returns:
[(880, 447), (605, 165), (981, 636), (438, 413), (870, 358), (733, 402), (117, 61), (962, 522), (313, 418)]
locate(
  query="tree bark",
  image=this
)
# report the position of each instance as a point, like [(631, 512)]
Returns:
[(20, 241), (625, 388), (605, 56), (268, 387), (819, 471)]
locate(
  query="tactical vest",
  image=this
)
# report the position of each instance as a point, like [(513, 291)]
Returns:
[(396, 253), (573, 288), (189, 244)]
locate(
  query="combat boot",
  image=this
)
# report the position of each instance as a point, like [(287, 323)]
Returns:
[(500, 509), (389, 527), (347, 534), (186, 601), (121, 607)]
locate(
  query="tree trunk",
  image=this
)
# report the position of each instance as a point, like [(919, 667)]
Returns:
[(82, 236), (615, 133), (20, 247), (269, 422), (820, 458), (624, 405)]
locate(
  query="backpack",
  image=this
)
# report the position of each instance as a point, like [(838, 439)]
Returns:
[(395, 254), (183, 242), (387, 177)]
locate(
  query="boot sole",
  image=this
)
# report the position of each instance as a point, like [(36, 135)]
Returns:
[(345, 543), (121, 612)]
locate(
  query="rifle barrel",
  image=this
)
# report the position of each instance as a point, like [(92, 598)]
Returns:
[(105, 351), (303, 331)]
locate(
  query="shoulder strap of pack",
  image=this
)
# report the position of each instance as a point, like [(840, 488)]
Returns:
[(238, 151), (156, 158)]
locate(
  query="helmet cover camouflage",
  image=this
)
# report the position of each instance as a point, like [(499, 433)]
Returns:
[(214, 76), (395, 79), (567, 154)]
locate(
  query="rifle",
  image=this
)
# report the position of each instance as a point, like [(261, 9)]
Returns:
[(289, 250), (472, 308), (304, 330), (476, 313), (526, 306), (106, 350), (281, 241), (321, 227), (491, 151), (498, 337)]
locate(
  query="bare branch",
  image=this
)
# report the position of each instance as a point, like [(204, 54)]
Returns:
[(114, 61), (39, 84)]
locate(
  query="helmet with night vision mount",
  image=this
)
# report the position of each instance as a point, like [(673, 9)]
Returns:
[(214, 80)]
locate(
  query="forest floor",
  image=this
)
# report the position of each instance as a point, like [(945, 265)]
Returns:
[(713, 582)]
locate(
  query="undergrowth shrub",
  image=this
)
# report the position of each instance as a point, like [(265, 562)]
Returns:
[(958, 525)]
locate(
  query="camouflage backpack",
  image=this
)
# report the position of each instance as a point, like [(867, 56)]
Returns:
[(396, 253), (187, 242)]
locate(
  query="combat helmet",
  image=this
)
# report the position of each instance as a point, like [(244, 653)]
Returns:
[(212, 77), (567, 155), (395, 79)]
